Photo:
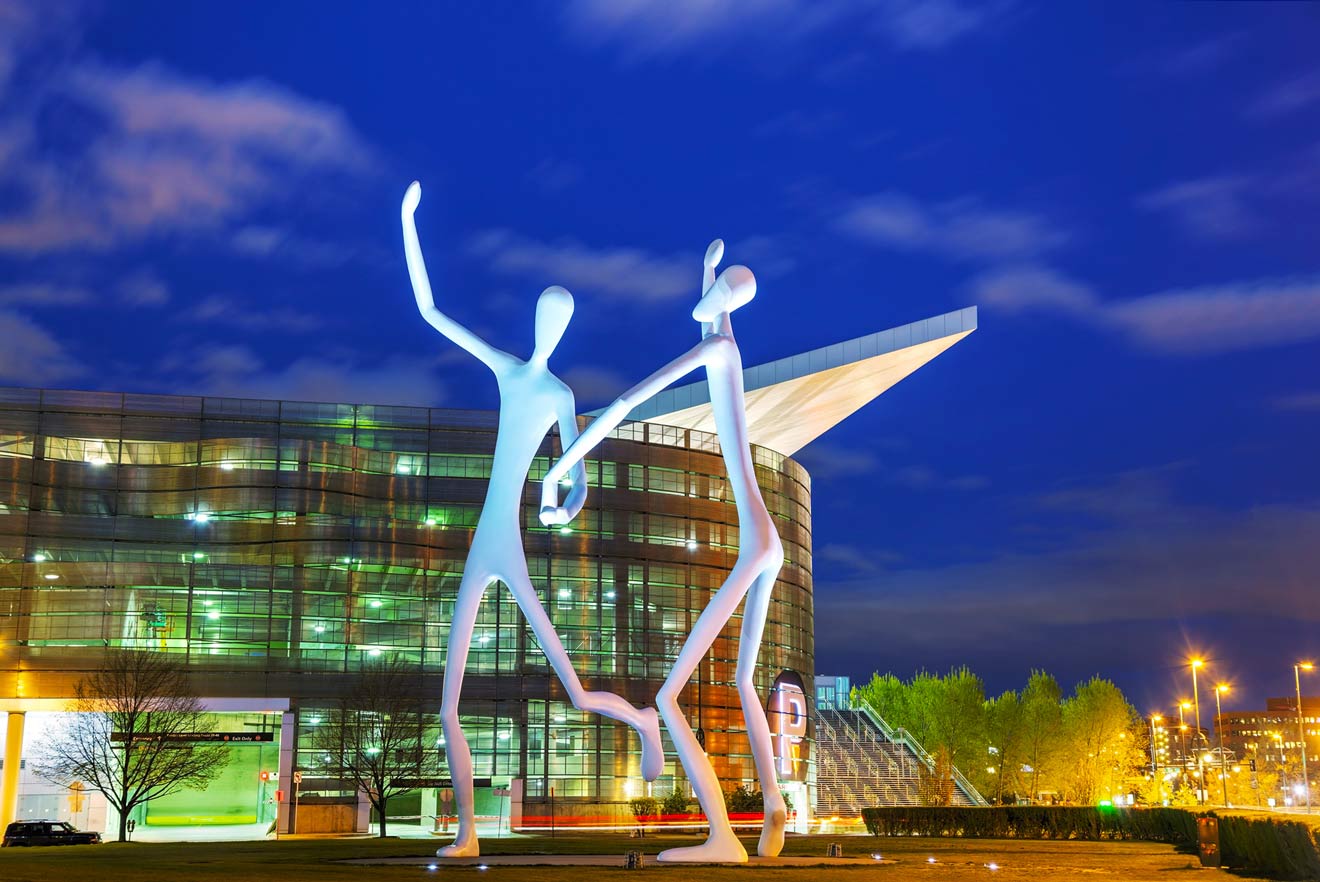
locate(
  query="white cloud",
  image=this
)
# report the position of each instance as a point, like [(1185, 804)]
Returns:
[(824, 461), (1207, 208), (30, 356), (1188, 321), (961, 229), (228, 311), (1298, 401), (166, 154), (647, 28), (918, 477), (235, 370), (1289, 96), (853, 559), (44, 294), (144, 288), (621, 272), (594, 385)]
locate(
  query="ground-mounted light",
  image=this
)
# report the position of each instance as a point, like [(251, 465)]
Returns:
[(51, 577)]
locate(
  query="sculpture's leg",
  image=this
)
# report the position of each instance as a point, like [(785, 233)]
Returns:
[(645, 721), (758, 730), (470, 591), (721, 845)]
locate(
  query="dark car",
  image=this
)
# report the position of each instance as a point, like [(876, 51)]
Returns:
[(47, 833)]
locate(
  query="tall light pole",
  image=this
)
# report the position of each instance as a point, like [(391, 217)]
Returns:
[(1301, 727), (1221, 689), (1154, 767), (1200, 765)]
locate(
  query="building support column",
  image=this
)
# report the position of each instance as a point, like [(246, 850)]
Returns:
[(13, 760), (288, 751)]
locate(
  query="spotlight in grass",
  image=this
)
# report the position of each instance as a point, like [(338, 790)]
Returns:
[(931, 860), (992, 866), (877, 856), (432, 866), (482, 867)]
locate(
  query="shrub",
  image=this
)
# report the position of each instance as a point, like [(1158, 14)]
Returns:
[(644, 808), (676, 803), (1282, 847)]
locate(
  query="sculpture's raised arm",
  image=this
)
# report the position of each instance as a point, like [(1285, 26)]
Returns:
[(568, 435), (551, 512), (421, 284)]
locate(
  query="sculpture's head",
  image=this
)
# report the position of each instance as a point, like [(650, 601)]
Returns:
[(553, 310), (735, 287)]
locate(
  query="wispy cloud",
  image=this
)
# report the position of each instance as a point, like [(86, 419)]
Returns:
[(41, 294), (962, 229), (1207, 208), (917, 477), (159, 153), (1298, 401), (238, 371), (825, 461), (853, 560), (1188, 321), (223, 310), (31, 356), (1289, 96), (649, 28), (623, 272)]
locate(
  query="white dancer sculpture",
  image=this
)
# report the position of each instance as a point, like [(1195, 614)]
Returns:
[(532, 399), (760, 556)]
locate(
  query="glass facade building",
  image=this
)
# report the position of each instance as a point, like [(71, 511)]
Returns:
[(280, 546)]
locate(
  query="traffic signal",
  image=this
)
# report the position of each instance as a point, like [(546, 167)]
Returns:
[(266, 776)]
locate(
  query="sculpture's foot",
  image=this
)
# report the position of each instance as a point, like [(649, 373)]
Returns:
[(772, 832), (465, 847), (718, 849), (653, 749)]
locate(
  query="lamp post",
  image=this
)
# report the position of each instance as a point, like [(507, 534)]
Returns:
[(1182, 740), (1200, 764), (1154, 767), (1221, 689), (1301, 727)]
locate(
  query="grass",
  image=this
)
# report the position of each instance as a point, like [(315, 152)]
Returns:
[(316, 860)]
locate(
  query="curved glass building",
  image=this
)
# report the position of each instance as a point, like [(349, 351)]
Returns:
[(278, 547)]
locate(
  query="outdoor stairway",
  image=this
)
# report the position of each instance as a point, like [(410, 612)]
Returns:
[(861, 762)]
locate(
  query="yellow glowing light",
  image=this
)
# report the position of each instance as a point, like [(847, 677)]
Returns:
[(1306, 666), (1196, 663), (1222, 688)]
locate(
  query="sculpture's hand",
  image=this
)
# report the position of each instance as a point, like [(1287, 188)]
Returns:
[(555, 516)]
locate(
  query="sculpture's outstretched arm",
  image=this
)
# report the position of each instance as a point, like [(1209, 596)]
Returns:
[(568, 434), (421, 283), (551, 512)]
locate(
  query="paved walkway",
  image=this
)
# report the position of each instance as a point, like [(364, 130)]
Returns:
[(601, 860)]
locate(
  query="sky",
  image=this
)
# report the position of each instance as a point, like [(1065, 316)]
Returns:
[(1118, 469)]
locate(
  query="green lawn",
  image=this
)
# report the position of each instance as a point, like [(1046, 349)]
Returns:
[(316, 860)]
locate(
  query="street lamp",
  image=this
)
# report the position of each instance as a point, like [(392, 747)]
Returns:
[(1200, 765), (1221, 689), (1154, 768), (1301, 728)]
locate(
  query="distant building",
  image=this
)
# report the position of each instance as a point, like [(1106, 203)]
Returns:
[(1271, 735)]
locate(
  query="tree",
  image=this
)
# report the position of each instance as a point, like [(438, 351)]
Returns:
[(375, 736), (1005, 719), (1101, 731), (129, 735), (1042, 726)]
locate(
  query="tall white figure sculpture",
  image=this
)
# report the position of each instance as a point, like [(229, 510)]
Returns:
[(760, 555), (532, 399)]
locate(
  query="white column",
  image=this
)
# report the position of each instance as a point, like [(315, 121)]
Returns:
[(13, 760), (288, 749)]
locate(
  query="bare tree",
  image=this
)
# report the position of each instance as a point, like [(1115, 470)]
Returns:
[(375, 737), (131, 735)]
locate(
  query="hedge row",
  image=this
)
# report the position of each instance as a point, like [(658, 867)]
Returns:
[(1033, 822), (1271, 845)]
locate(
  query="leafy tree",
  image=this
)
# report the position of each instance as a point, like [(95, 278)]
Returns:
[(1005, 720), (1100, 729), (1042, 727), (375, 737), (128, 737), (676, 803)]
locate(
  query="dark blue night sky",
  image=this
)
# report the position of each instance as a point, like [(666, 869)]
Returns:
[(1118, 468)]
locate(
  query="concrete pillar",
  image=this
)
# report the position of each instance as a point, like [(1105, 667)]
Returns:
[(13, 760), (288, 750)]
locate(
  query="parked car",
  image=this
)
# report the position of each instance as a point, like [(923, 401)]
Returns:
[(47, 833)]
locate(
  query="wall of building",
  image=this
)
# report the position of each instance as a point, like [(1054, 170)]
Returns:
[(277, 547)]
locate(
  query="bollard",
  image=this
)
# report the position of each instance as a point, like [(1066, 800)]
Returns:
[(834, 849), (633, 860)]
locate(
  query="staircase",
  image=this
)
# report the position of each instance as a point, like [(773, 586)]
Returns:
[(862, 762)]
